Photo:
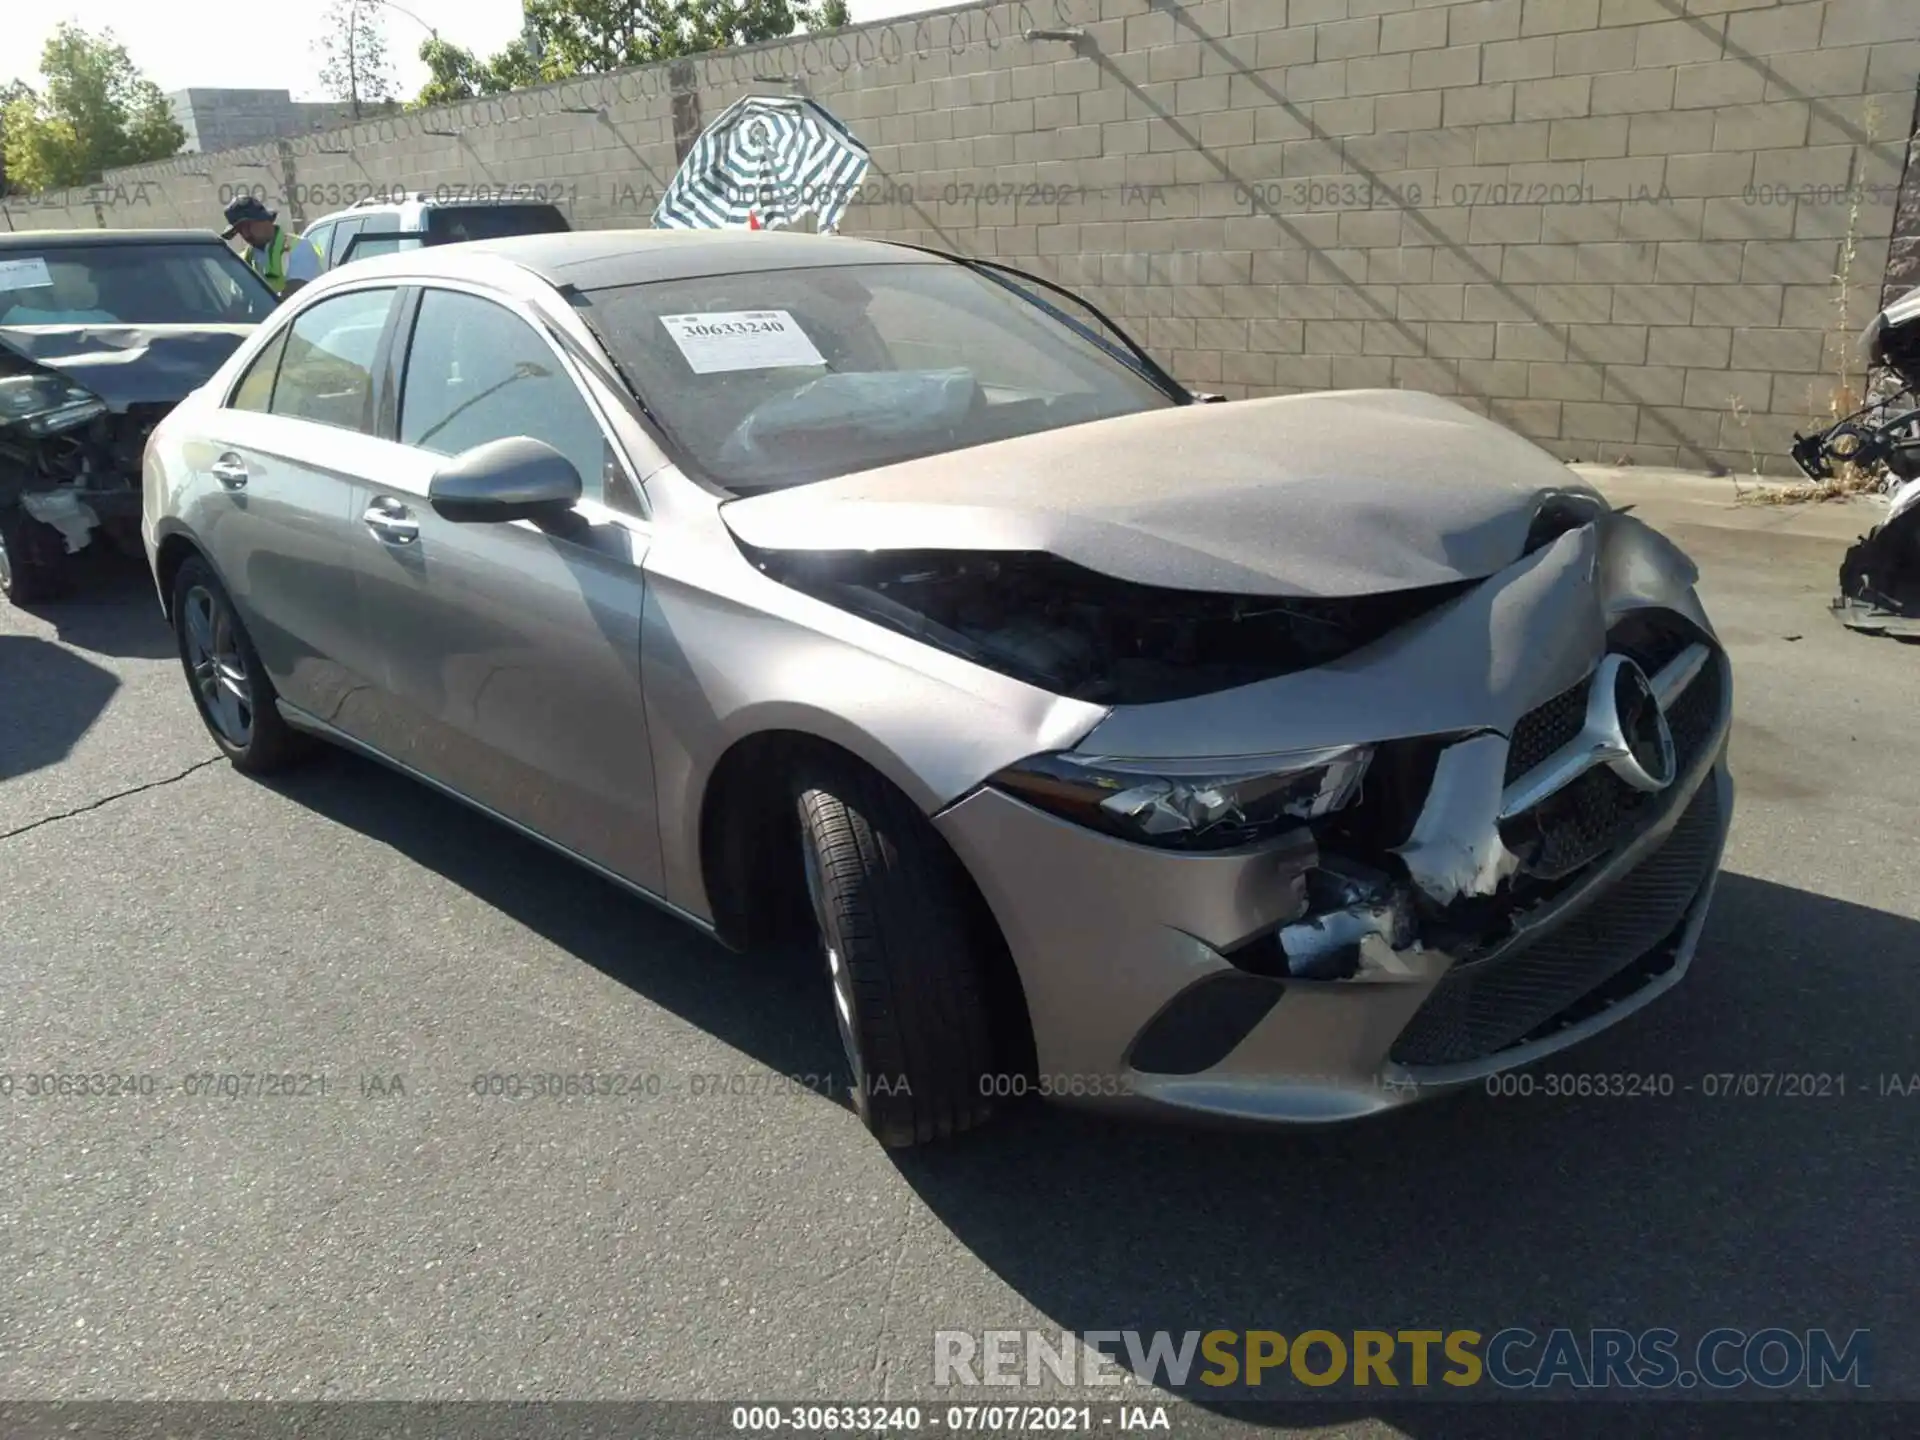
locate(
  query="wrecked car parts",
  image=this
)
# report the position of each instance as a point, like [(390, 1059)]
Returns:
[(63, 473), (101, 334), (1506, 845), (1880, 574)]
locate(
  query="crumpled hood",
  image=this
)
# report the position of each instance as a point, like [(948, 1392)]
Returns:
[(1342, 493), (128, 364)]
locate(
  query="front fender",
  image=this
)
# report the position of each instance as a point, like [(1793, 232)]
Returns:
[(728, 653)]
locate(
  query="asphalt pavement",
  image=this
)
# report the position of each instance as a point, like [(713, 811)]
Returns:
[(397, 1236)]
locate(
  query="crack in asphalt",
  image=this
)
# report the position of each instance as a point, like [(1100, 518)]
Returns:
[(109, 799), (880, 1370)]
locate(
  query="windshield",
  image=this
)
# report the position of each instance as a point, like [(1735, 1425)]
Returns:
[(450, 224), (131, 284), (781, 377)]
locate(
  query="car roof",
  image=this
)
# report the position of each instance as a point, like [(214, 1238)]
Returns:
[(414, 206), (36, 239), (603, 259)]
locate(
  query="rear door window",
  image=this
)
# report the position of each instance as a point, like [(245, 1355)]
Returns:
[(382, 243), (322, 238), (326, 374), (343, 234), (451, 224)]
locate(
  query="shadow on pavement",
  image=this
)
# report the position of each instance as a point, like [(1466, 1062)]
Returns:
[(110, 608), (773, 1007), (1480, 1213), (49, 698), (1690, 1210)]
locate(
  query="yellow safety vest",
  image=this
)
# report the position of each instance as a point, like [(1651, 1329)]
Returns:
[(274, 270)]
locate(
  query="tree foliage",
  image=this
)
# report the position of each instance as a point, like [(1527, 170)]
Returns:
[(456, 73), (93, 111), (13, 90), (353, 47), (564, 38), (585, 36)]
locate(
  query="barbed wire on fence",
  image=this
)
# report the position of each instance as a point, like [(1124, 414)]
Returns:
[(879, 44)]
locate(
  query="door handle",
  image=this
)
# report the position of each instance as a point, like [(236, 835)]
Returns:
[(391, 522), (231, 471)]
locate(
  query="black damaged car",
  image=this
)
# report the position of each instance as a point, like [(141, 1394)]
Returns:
[(1880, 576), (101, 333)]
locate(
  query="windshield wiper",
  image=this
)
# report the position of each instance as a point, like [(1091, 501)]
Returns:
[(1138, 358)]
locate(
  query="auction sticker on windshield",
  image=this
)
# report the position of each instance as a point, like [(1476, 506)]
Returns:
[(741, 340), (28, 274)]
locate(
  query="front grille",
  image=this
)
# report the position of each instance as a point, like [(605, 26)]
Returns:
[(1582, 821), (1695, 713), (1543, 730), (1599, 810), (1484, 1007), (1651, 638), (1654, 638)]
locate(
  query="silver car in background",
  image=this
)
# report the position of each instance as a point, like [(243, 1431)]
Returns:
[(1281, 760)]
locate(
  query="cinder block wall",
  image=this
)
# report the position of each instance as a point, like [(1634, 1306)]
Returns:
[(1635, 230)]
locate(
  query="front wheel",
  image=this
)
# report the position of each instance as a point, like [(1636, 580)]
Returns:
[(33, 558), (230, 686), (903, 953)]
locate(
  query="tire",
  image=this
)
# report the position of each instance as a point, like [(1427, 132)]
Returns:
[(904, 957), (33, 558), (229, 685)]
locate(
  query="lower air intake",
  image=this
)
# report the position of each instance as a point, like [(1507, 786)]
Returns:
[(1485, 1007)]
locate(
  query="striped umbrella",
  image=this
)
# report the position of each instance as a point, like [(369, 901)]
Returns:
[(766, 160)]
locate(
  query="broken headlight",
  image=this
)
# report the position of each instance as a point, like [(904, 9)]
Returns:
[(43, 404), (1191, 804)]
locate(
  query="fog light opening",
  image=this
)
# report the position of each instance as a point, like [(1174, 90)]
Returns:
[(1352, 910)]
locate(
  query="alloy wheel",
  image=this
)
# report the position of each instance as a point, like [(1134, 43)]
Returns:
[(219, 671)]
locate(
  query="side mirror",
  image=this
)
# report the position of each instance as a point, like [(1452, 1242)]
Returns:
[(518, 478)]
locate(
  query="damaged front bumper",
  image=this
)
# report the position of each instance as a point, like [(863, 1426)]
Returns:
[(70, 463), (1551, 877), (59, 516), (74, 512), (75, 483), (1880, 574)]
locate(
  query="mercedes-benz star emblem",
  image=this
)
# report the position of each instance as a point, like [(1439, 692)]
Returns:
[(1642, 752)]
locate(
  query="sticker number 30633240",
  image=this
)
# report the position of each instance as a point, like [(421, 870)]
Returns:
[(741, 340)]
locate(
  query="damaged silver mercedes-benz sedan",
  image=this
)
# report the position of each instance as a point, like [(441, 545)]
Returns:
[(1281, 760)]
